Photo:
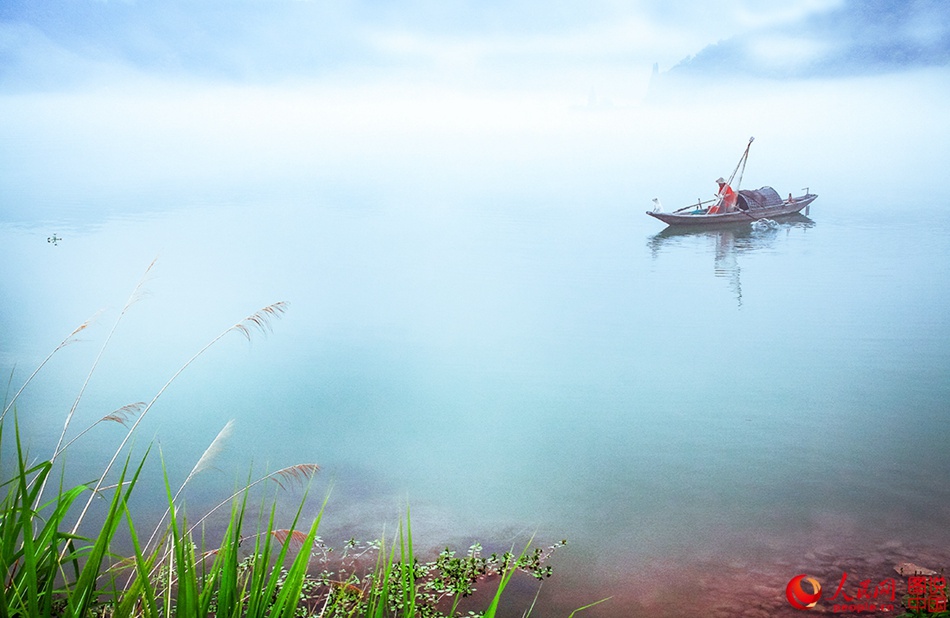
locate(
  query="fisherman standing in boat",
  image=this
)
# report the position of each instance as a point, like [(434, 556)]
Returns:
[(727, 199)]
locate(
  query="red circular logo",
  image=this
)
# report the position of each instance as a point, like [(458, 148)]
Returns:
[(796, 594)]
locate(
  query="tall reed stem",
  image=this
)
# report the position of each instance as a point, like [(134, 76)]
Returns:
[(259, 320), (62, 345), (131, 301)]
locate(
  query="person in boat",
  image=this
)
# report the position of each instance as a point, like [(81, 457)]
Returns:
[(727, 199)]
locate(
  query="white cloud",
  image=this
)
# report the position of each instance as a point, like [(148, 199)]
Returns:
[(511, 44), (767, 14), (783, 52), (611, 54)]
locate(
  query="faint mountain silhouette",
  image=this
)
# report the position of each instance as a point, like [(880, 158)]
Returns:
[(861, 37)]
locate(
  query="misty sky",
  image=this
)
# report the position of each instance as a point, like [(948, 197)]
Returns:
[(47, 44), (106, 100)]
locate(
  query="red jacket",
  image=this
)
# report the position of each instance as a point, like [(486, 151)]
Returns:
[(728, 200)]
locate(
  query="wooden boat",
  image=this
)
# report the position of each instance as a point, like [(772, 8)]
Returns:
[(764, 203), (751, 205)]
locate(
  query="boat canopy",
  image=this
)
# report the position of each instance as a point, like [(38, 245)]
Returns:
[(765, 197)]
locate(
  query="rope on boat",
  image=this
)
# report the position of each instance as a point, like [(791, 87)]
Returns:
[(742, 161)]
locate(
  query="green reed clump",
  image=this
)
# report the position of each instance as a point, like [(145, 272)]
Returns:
[(47, 568), (289, 572), (396, 584)]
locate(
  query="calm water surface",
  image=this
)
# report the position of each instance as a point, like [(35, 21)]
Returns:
[(732, 402)]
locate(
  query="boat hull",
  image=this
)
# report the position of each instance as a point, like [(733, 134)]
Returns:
[(741, 216)]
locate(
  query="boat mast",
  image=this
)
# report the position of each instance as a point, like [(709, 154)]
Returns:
[(742, 162)]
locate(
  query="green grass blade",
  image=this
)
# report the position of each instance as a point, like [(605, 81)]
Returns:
[(84, 592), (509, 571), (588, 606), (382, 581), (263, 578), (230, 591), (140, 590), (408, 569), (32, 568)]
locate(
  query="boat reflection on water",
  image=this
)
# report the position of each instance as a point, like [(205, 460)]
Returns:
[(729, 242)]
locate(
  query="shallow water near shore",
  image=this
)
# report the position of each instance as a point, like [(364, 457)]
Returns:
[(702, 415)]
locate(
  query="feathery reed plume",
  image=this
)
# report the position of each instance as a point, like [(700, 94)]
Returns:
[(133, 298), (204, 462), (295, 474), (298, 473), (296, 537), (121, 416), (258, 318), (261, 320), (68, 340), (216, 446)]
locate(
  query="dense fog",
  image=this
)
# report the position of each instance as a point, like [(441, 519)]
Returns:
[(125, 107)]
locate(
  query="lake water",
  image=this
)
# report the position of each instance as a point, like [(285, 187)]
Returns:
[(702, 415)]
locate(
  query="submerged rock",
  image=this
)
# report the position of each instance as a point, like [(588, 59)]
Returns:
[(909, 568)]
